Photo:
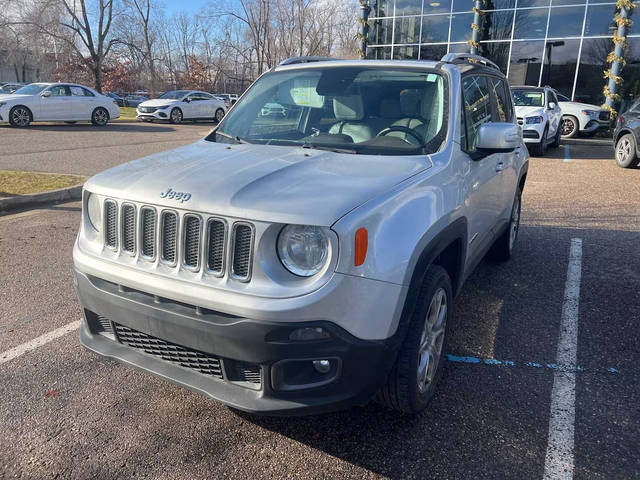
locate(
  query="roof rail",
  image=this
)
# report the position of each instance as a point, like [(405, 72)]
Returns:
[(305, 59), (468, 58)]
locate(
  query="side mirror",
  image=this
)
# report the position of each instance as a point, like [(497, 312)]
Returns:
[(187, 100), (46, 93), (552, 105), (495, 137)]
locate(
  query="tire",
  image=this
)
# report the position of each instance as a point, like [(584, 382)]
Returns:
[(556, 140), (626, 152), (570, 126), (100, 117), (20, 116), (175, 116), (502, 249), (219, 115), (540, 149), (412, 382)]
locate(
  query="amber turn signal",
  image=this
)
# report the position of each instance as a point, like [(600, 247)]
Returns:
[(362, 243)]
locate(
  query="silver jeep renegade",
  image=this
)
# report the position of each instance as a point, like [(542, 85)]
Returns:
[(308, 261)]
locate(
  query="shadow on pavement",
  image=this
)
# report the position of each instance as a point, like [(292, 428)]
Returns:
[(113, 127)]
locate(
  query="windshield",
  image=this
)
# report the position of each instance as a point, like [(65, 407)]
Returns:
[(528, 98), (174, 95), (31, 89), (391, 111)]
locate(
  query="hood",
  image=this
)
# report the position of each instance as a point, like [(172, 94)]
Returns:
[(158, 102), (258, 182), (12, 96), (528, 111), (578, 105)]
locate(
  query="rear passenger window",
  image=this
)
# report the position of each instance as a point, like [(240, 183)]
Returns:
[(502, 100), (477, 107)]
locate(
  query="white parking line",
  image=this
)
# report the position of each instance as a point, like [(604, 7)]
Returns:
[(559, 459), (37, 342)]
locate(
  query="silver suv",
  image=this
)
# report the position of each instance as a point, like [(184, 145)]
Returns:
[(308, 263)]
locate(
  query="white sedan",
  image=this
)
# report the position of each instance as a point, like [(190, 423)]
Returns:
[(52, 102), (179, 105)]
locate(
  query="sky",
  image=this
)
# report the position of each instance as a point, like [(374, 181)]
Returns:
[(189, 6)]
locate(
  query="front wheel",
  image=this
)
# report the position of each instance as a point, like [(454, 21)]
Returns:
[(20, 116), (175, 116), (100, 117), (219, 115), (541, 148), (626, 154), (556, 139), (418, 366), (569, 126)]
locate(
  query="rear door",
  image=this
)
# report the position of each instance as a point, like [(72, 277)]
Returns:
[(555, 114), (209, 105), (482, 180), (57, 106), (82, 103)]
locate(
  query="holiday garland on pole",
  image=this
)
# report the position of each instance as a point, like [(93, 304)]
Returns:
[(616, 57), (362, 35), (474, 43)]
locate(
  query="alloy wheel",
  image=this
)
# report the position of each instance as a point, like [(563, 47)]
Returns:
[(176, 115), (623, 150), (219, 115), (568, 127), (432, 339), (100, 117), (20, 116)]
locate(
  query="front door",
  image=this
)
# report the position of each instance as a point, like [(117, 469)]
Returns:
[(57, 106), (482, 174)]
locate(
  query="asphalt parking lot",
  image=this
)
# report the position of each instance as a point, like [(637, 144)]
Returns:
[(67, 413)]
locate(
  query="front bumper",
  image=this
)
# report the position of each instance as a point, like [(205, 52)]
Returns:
[(281, 379), (160, 114), (532, 133), (590, 125)]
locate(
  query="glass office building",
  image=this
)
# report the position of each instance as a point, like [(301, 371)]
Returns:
[(561, 43)]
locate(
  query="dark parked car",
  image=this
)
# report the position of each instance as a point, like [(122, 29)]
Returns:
[(134, 100), (10, 87), (626, 136), (119, 100)]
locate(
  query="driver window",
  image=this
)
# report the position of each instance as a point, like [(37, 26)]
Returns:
[(58, 91), (477, 108)]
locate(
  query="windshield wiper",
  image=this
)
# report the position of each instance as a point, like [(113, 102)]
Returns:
[(235, 138), (328, 148)]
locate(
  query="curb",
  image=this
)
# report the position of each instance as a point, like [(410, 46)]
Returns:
[(33, 199)]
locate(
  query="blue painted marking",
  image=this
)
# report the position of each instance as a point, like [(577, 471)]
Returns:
[(511, 363), (567, 157), (454, 358)]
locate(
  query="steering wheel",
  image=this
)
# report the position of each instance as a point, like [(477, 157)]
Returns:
[(398, 128)]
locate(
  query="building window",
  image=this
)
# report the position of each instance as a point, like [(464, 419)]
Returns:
[(407, 30), (408, 7), (432, 52), (531, 23), (497, 52), (565, 22), (461, 27), (524, 64), (600, 20), (497, 25), (435, 29), (405, 53), (561, 59)]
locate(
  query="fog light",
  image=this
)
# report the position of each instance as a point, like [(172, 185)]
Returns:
[(322, 366), (308, 333)]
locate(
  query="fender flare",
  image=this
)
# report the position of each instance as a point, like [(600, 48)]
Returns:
[(455, 231)]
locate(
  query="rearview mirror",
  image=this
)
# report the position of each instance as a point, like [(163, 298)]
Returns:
[(46, 93), (494, 137)]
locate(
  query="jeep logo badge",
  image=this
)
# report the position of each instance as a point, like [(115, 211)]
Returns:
[(171, 194)]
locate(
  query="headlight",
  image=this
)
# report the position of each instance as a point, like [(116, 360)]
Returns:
[(94, 211), (590, 113), (303, 249), (531, 120)]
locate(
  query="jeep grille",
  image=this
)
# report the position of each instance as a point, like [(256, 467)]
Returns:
[(129, 228), (169, 236), (194, 241)]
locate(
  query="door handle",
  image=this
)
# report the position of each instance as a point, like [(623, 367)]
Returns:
[(500, 167)]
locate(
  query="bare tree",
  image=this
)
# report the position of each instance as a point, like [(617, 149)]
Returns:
[(87, 30)]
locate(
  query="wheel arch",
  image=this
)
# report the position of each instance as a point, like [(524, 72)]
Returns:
[(622, 132), (23, 106)]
